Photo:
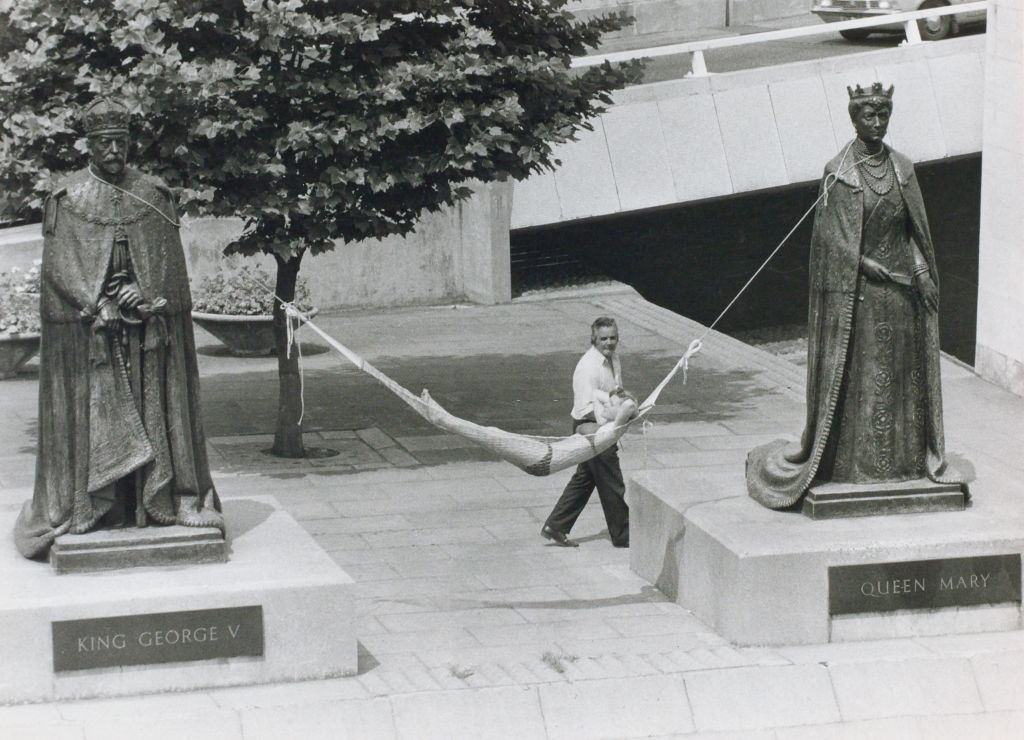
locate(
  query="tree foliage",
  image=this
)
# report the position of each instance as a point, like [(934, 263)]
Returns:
[(313, 120)]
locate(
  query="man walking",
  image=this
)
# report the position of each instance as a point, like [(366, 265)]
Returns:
[(598, 370)]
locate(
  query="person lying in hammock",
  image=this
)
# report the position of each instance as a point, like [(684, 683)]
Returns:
[(536, 455), (616, 407)]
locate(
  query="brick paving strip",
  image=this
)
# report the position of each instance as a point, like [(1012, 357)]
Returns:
[(469, 624)]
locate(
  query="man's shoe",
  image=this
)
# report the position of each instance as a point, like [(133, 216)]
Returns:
[(624, 543), (557, 537)]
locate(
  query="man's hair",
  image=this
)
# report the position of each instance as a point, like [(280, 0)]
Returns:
[(601, 322)]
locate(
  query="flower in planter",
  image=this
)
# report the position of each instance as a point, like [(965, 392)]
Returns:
[(246, 291), (19, 301)]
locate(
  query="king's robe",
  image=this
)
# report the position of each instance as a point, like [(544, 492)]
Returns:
[(118, 407)]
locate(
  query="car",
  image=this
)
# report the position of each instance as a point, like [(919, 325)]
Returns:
[(932, 29)]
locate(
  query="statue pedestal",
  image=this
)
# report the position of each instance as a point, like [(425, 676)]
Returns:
[(763, 577), (278, 610), (132, 547), (835, 500)]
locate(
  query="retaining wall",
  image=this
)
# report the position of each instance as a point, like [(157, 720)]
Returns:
[(460, 254), (999, 353), (725, 134)]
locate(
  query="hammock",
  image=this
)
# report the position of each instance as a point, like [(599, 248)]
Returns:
[(535, 455), (538, 455)]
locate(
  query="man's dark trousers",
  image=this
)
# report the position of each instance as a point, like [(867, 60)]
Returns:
[(603, 472)]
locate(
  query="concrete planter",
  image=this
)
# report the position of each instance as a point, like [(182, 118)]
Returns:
[(15, 351), (244, 336)]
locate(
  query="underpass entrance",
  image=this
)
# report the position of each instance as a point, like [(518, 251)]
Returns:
[(694, 258)]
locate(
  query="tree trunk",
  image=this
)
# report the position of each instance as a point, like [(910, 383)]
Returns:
[(288, 434)]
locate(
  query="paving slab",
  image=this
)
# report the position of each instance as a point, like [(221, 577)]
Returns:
[(655, 624), (29, 714), (157, 706), (512, 712), (46, 731), (755, 698), (418, 587), (333, 523), (312, 510), (289, 694), (406, 643), (912, 687), (371, 719), (695, 644), (546, 633), (970, 645), (746, 735), (223, 725), (996, 725), (1000, 680), (468, 618), (435, 536), (855, 652), (899, 728), (616, 708)]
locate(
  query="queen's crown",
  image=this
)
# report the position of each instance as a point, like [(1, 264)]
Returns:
[(875, 91)]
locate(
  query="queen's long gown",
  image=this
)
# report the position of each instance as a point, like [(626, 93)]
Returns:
[(879, 432), (874, 393)]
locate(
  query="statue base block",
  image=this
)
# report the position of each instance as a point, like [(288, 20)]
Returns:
[(112, 549), (834, 500), (762, 577), (279, 609)]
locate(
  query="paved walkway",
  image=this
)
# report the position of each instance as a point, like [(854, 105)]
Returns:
[(470, 625)]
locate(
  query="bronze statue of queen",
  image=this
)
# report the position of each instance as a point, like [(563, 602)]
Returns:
[(874, 399), (120, 439)]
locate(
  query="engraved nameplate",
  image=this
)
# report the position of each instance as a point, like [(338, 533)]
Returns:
[(924, 584), (166, 637)]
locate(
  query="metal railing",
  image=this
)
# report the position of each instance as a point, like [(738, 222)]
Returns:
[(697, 48)]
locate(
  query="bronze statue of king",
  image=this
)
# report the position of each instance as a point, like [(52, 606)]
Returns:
[(120, 440)]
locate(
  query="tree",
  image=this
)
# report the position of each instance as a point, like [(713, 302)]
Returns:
[(315, 121)]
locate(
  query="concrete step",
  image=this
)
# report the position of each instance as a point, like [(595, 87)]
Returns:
[(556, 665)]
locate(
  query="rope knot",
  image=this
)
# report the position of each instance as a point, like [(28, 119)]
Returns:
[(827, 185), (684, 361), (292, 320)]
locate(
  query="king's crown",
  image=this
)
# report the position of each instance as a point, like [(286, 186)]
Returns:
[(875, 91), (105, 116)]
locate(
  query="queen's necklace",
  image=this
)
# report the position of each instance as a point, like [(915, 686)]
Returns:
[(878, 172)]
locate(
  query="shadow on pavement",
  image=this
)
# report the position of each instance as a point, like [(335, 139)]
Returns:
[(645, 595)]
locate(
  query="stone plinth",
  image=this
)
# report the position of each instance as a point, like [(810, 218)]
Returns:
[(835, 500), (761, 577), (133, 547), (278, 610)]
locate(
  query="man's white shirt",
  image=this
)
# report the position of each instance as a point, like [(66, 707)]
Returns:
[(593, 372)]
